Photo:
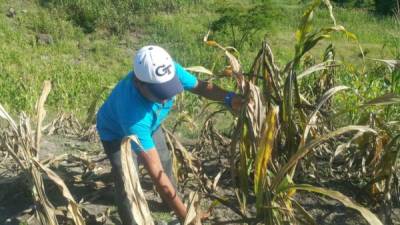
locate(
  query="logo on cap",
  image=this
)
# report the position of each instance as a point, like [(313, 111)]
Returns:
[(163, 70)]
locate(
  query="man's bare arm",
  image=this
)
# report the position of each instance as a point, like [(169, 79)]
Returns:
[(152, 163), (215, 93)]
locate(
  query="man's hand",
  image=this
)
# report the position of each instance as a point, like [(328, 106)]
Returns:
[(215, 93), (201, 215), (204, 215), (237, 103)]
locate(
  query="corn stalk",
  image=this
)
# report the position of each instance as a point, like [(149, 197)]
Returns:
[(273, 132), (24, 144)]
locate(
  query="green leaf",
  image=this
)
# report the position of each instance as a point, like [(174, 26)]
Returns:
[(285, 185)]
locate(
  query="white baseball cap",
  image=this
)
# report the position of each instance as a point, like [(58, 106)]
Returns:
[(155, 67)]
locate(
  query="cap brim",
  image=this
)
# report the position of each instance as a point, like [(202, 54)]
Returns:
[(166, 90)]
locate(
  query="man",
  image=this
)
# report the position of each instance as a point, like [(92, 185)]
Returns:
[(137, 106)]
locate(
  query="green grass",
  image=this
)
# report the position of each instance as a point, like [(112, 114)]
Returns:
[(78, 65), (94, 45)]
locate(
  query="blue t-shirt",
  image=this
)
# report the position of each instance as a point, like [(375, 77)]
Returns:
[(126, 112)]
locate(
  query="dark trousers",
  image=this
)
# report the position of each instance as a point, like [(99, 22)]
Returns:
[(113, 151)]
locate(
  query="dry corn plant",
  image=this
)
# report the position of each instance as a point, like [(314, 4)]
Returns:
[(64, 124), (279, 127), (23, 144), (186, 168), (371, 160), (68, 125), (185, 165), (211, 139)]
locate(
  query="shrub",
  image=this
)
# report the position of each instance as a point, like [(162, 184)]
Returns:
[(242, 23), (385, 7), (116, 16)]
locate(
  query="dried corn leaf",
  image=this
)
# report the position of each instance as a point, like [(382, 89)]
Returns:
[(137, 201), (389, 159), (188, 157), (193, 212), (45, 211), (6, 116), (313, 118), (28, 144), (318, 67), (199, 69), (215, 182), (233, 61), (386, 99), (330, 8), (175, 160), (73, 207), (392, 64), (41, 112), (255, 113), (367, 214), (342, 147)]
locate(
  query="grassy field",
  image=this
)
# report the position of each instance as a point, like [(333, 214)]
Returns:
[(92, 46)]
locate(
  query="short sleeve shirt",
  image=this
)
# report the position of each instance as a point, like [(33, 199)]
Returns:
[(126, 112)]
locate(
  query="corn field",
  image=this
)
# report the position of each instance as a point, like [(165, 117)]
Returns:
[(283, 145)]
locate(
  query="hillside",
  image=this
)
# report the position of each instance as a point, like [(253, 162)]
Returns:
[(84, 48)]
